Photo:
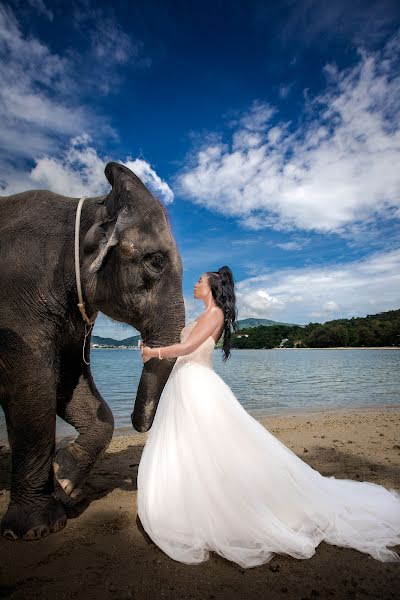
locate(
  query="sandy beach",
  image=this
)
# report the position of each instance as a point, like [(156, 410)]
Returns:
[(104, 553)]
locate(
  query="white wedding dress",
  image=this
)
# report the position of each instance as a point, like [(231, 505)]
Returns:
[(212, 478)]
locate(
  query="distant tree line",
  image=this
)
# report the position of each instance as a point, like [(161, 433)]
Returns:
[(382, 329)]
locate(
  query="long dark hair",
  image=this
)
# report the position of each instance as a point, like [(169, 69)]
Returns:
[(223, 291)]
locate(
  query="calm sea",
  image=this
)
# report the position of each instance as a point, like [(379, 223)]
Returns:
[(264, 381)]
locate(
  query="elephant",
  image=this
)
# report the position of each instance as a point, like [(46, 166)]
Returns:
[(131, 270)]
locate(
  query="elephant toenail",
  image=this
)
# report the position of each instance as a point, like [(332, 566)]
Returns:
[(9, 534)]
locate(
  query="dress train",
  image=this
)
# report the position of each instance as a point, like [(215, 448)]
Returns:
[(212, 478)]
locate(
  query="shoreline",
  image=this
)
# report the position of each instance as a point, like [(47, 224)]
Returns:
[(261, 415), (290, 414), (264, 416)]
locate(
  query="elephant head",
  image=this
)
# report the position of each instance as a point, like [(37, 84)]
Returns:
[(132, 272)]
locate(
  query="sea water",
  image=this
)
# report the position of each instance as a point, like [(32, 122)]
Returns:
[(265, 382)]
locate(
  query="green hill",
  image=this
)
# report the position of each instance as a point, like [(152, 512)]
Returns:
[(133, 340), (110, 342), (381, 329), (244, 323)]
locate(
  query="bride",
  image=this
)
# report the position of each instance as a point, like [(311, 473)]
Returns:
[(212, 478)]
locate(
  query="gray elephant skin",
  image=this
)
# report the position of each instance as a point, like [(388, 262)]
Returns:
[(131, 270)]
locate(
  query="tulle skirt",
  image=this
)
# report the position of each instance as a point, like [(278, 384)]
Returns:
[(212, 478)]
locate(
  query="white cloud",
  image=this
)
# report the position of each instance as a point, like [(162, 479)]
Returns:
[(106, 327), (147, 174), (193, 308), (39, 103), (42, 107), (31, 116), (258, 117), (323, 21), (292, 245), (81, 171), (261, 302), (109, 44), (301, 295), (295, 295), (328, 309), (337, 168)]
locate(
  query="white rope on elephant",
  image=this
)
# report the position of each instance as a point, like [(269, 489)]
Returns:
[(81, 305)]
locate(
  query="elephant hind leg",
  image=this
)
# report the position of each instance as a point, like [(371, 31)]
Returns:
[(72, 464), (84, 409)]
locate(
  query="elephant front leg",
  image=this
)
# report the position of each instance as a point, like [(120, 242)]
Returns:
[(85, 410), (33, 511)]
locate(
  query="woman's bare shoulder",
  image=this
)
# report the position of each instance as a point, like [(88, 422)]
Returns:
[(214, 312), (220, 312)]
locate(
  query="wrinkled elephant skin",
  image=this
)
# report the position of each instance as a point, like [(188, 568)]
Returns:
[(131, 270)]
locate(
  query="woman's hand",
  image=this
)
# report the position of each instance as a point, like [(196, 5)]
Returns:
[(145, 352)]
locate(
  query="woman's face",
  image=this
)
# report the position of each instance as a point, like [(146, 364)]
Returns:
[(202, 288)]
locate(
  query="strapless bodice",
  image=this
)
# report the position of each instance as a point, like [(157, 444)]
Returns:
[(202, 354)]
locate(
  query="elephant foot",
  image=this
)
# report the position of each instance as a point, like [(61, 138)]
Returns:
[(71, 466), (28, 522)]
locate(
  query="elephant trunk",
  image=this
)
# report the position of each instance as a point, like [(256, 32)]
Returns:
[(155, 374)]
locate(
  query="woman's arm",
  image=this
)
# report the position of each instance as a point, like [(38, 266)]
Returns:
[(203, 329)]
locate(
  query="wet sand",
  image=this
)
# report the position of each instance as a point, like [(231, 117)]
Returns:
[(104, 553)]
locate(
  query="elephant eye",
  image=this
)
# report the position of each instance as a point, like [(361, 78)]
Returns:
[(155, 262)]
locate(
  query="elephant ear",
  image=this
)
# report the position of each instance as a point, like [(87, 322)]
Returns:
[(103, 236), (127, 189)]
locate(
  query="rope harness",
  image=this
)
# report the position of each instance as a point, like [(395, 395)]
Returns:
[(81, 305)]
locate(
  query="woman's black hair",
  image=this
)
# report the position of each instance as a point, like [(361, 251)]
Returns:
[(223, 291)]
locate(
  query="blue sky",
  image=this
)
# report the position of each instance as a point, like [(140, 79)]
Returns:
[(270, 130)]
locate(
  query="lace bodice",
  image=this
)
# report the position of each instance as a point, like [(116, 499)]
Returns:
[(202, 354)]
